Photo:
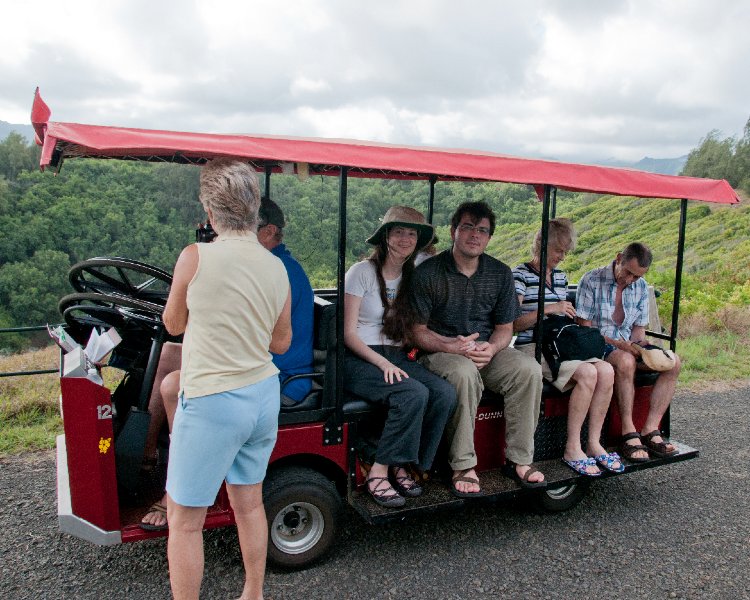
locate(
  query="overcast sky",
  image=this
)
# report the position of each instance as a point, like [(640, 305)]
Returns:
[(569, 79)]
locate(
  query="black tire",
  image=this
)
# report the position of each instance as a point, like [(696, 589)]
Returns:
[(559, 499), (302, 509)]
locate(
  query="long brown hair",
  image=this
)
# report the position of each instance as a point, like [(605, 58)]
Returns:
[(396, 320)]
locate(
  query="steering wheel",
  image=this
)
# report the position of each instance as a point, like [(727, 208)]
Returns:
[(129, 278), (132, 318)]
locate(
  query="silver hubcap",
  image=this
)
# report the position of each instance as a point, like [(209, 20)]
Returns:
[(562, 492), (297, 527)]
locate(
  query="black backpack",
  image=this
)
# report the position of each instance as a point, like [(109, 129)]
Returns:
[(563, 339)]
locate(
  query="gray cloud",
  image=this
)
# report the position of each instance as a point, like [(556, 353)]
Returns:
[(576, 79)]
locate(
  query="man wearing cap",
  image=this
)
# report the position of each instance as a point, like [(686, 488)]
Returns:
[(299, 358), (614, 299), (465, 305)]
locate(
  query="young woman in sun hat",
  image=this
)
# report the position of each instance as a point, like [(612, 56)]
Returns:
[(378, 369)]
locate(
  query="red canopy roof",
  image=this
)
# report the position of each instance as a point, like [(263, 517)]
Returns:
[(368, 159)]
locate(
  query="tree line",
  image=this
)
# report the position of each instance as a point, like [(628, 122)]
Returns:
[(727, 158), (149, 212)]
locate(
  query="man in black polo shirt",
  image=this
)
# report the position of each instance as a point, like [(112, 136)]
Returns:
[(465, 305)]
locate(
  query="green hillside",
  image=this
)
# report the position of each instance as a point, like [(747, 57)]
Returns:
[(149, 212), (716, 272)]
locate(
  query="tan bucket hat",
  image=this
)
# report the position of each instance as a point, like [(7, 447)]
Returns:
[(656, 358), (404, 216)]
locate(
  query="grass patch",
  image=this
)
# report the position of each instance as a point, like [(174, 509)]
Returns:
[(30, 434), (714, 348), (29, 404), (29, 410), (714, 351), (710, 358)]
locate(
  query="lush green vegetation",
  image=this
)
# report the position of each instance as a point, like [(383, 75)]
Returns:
[(149, 212), (727, 158)]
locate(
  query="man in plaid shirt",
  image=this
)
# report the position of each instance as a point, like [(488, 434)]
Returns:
[(614, 299)]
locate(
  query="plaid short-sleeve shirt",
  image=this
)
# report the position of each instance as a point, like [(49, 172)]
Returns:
[(595, 302)]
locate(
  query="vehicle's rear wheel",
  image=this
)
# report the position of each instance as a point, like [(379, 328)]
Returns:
[(302, 508), (559, 499)]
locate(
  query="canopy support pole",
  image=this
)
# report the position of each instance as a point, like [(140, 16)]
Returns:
[(678, 275), (431, 198), (338, 417), (549, 191), (553, 209), (267, 183)]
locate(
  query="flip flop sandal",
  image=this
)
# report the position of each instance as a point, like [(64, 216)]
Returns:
[(628, 450), (580, 466), (461, 476), (509, 470), (405, 485), (608, 460), (658, 449), (380, 494), (156, 507)]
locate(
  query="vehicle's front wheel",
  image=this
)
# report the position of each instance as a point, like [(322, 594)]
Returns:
[(559, 499), (302, 508)]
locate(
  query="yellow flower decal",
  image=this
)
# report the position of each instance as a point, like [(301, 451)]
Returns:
[(104, 444)]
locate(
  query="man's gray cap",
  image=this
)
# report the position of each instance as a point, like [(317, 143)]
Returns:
[(269, 213)]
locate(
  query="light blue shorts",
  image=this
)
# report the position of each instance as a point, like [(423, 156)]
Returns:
[(222, 436)]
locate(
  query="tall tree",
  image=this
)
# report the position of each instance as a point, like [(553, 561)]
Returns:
[(712, 158), (726, 158)]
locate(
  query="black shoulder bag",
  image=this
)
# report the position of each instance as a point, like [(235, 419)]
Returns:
[(563, 339)]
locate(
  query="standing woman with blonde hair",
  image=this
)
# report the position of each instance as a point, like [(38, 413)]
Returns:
[(591, 380), (419, 403)]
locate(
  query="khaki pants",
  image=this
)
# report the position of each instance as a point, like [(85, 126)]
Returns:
[(511, 373)]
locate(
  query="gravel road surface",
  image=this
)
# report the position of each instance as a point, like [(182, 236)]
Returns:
[(680, 531)]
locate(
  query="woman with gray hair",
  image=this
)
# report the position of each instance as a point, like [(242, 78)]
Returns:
[(591, 380), (231, 300)]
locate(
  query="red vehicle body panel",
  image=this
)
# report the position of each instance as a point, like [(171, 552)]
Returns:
[(218, 515), (641, 405), (489, 437), (298, 440), (87, 419), (370, 158)]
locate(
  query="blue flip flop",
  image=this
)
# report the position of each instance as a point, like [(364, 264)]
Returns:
[(579, 466), (607, 461)]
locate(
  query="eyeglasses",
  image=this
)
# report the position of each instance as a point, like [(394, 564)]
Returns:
[(469, 228)]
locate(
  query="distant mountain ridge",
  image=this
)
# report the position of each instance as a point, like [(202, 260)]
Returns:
[(665, 166), (26, 131)]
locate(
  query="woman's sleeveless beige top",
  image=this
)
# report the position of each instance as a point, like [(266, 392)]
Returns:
[(234, 301)]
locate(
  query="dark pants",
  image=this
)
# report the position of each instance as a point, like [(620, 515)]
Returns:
[(418, 407)]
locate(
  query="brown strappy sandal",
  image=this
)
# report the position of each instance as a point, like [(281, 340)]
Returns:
[(461, 476), (658, 449), (627, 450)]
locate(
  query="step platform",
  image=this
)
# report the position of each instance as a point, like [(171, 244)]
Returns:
[(495, 486)]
